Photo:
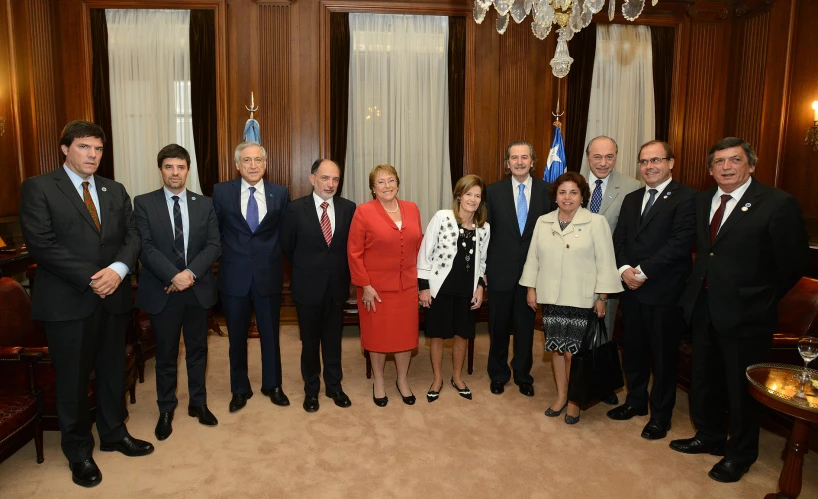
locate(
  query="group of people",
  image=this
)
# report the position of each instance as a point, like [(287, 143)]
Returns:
[(608, 236)]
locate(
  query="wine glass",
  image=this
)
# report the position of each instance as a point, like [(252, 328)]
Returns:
[(808, 348)]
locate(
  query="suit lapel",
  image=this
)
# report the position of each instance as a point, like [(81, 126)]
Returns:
[(533, 206), (269, 199), (311, 214), (662, 199), (65, 185), (340, 221), (704, 215), (236, 195), (611, 192), (510, 202), (750, 198), (194, 213)]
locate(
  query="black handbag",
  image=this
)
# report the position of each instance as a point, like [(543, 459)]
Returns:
[(596, 370)]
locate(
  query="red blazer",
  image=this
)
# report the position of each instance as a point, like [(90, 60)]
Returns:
[(379, 254)]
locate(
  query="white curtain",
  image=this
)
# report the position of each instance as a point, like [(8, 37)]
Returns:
[(622, 100), (399, 107), (149, 60)]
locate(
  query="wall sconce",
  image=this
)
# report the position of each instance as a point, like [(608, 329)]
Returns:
[(812, 132)]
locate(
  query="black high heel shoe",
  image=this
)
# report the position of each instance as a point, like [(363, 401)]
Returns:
[(572, 419), (380, 402), (432, 395), (410, 400), (551, 413), (463, 392)]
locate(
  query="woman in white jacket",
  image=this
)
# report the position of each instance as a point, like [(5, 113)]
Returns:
[(570, 269), (451, 267)]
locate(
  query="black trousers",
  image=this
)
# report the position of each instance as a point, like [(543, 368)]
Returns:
[(237, 313), (718, 372), (509, 311), (321, 327), (181, 313), (76, 347), (651, 331)]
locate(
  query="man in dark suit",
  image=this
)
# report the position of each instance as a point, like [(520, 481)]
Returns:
[(653, 242), (180, 242), (514, 205), (79, 229), (250, 210), (314, 238), (752, 247)]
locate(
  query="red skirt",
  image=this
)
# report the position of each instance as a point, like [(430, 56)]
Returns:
[(394, 326)]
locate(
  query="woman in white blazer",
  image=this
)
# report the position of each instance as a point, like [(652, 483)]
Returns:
[(570, 269), (451, 268)]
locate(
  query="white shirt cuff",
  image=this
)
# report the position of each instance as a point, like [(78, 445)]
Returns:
[(120, 268)]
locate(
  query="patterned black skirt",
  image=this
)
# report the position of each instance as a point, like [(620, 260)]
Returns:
[(564, 327)]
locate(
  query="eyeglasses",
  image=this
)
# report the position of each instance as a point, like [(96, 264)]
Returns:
[(381, 183), (734, 160), (653, 161), (250, 161), (599, 157)]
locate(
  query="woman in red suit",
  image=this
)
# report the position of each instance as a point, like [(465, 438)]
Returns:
[(384, 240)]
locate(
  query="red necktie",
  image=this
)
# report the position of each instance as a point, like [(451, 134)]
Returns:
[(326, 227), (89, 204), (718, 216)]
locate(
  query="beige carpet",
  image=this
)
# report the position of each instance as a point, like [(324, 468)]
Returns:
[(493, 446)]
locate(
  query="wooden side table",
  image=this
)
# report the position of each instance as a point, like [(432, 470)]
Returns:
[(775, 386)]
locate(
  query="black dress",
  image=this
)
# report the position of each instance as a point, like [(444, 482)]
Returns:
[(450, 312)]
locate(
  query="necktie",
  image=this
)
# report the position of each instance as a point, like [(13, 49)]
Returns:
[(252, 210), (522, 208), (326, 227), (178, 235), (649, 204), (718, 216), (89, 204), (596, 197)]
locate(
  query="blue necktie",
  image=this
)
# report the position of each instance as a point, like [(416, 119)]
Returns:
[(522, 209), (596, 197), (649, 204), (252, 210)]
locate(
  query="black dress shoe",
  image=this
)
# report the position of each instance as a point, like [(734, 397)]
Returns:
[(611, 399), (625, 412), (655, 430), (311, 403), (163, 426), (526, 389), (277, 395), (340, 398), (572, 419), (131, 447), (380, 402), (497, 387), (551, 413), (203, 413), (432, 395), (728, 471), (85, 473), (410, 400), (696, 446), (463, 392), (239, 400)]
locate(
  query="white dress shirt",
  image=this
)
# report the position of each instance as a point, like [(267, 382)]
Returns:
[(330, 209), (183, 209), (260, 199), (526, 191), (728, 208), (120, 268)]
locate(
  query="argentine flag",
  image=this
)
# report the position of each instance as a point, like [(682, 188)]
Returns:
[(556, 163)]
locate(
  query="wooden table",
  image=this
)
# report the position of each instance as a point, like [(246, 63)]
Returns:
[(775, 386)]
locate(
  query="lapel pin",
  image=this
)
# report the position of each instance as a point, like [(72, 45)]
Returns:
[(579, 229), (193, 198), (104, 189), (746, 207), (576, 235), (610, 196), (664, 197)]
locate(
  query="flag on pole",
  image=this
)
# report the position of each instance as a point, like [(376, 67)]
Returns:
[(252, 133), (556, 163)]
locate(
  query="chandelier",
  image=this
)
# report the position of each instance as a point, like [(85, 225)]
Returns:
[(570, 15)]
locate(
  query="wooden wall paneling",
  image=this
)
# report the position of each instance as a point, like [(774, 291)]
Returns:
[(799, 162), (540, 101), (74, 54), (11, 165), (470, 94), (705, 100), (747, 82), (678, 98), (488, 152), (514, 86), (274, 84)]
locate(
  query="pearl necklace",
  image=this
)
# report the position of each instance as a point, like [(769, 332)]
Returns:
[(397, 206)]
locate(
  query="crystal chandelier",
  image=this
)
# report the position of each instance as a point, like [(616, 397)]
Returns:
[(570, 15)]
